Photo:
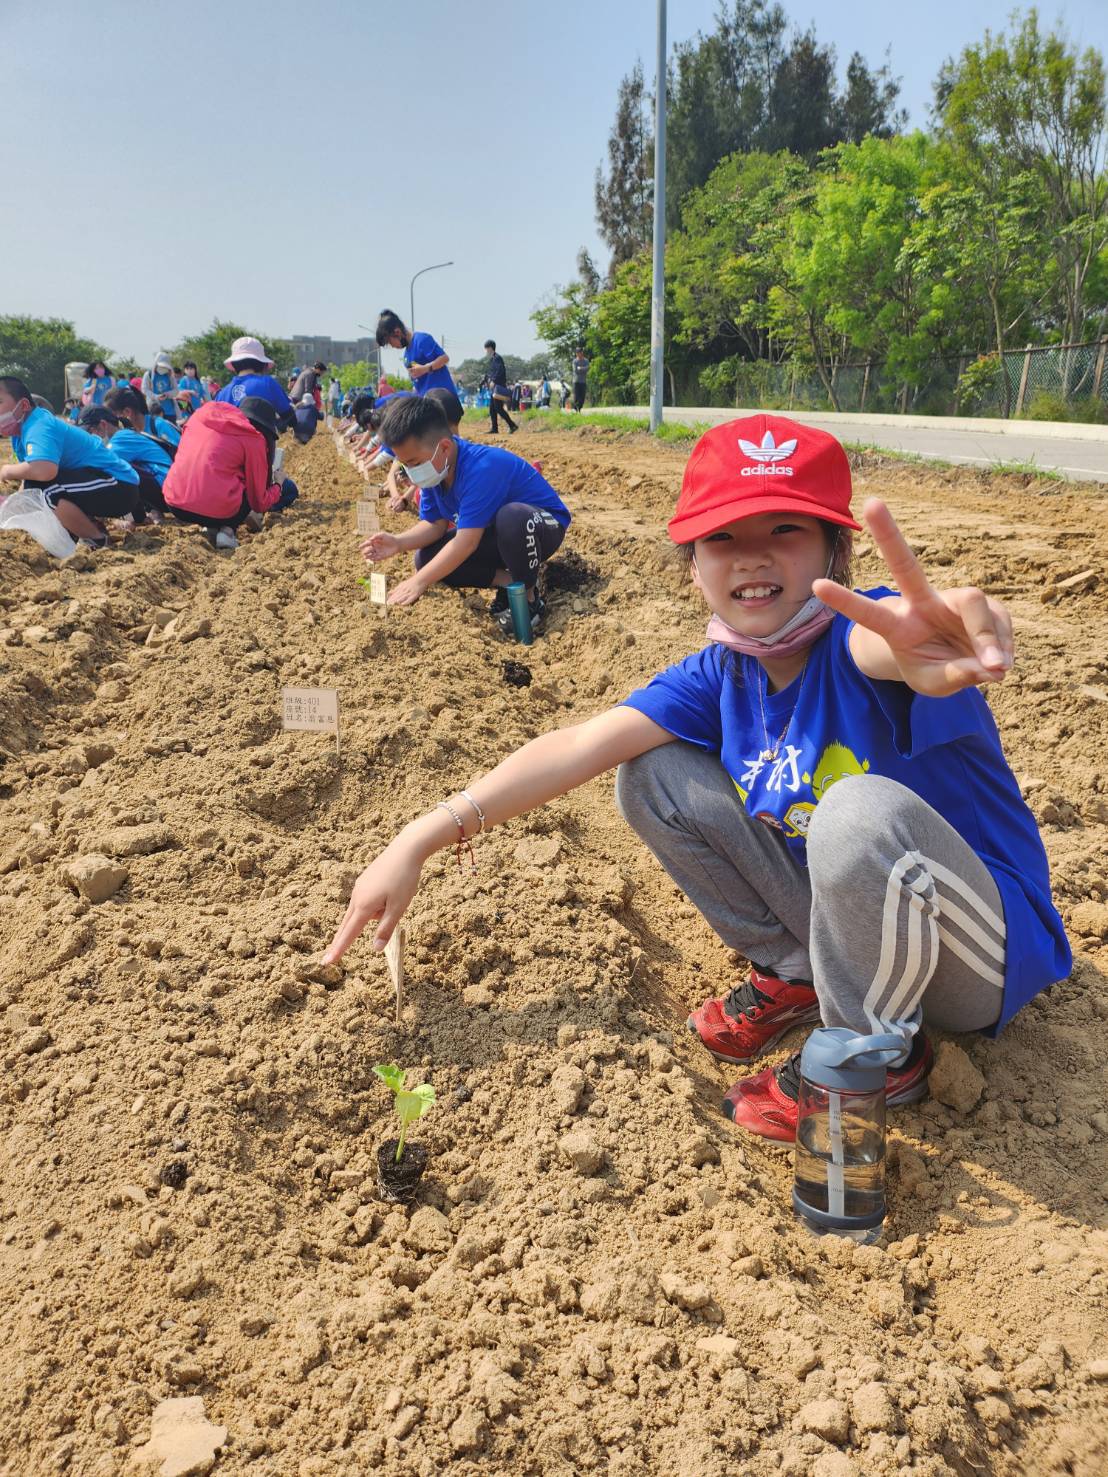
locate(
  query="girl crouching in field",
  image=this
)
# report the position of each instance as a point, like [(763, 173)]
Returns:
[(824, 781)]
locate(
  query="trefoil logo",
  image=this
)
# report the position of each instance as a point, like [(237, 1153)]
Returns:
[(766, 456)]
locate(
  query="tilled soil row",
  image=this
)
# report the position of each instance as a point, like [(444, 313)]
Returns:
[(599, 1273)]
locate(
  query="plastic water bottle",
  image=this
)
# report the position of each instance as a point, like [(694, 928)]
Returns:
[(839, 1184), (520, 608)]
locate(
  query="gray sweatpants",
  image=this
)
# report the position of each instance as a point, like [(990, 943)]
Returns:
[(895, 917)]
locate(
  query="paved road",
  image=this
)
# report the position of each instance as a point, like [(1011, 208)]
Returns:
[(1077, 452)]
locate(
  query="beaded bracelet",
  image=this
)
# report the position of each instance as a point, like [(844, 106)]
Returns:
[(462, 838)]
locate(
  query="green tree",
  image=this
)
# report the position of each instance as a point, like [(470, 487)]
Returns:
[(625, 194), (38, 349), (983, 237), (724, 262), (1032, 105), (847, 286), (564, 321), (744, 88), (209, 349)]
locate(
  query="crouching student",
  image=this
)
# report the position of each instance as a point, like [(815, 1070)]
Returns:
[(824, 781), (223, 473), (507, 519), (150, 457), (82, 480), (132, 410), (307, 418), (402, 494), (250, 365)]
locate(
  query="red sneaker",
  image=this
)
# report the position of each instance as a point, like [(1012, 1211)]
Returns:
[(753, 1016), (765, 1104)]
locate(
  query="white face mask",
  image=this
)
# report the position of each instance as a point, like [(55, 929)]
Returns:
[(426, 474)]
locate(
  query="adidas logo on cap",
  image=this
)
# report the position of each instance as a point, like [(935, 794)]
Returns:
[(766, 456)]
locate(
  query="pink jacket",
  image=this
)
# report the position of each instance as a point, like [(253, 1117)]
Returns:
[(220, 457)]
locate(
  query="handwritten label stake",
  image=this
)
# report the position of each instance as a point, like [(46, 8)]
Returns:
[(394, 955), (369, 520), (379, 590), (315, 708)]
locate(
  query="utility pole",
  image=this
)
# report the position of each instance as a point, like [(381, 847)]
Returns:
[(658, 290)]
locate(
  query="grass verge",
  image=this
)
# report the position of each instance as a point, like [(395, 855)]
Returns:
[(567, 420)]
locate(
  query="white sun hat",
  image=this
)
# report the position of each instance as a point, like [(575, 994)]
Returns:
[(246, 348), (163, 362)]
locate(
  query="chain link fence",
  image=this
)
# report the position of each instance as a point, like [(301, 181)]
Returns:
[(1053, 382)]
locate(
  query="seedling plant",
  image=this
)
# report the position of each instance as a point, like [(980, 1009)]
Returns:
[(409, 1106)]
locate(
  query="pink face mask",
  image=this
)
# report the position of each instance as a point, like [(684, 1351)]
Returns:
[(11, 420)]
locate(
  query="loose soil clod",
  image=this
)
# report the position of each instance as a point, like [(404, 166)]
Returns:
[(516, 674)]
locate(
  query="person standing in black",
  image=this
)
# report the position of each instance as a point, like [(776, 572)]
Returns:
[(496, 377), (580, 379)]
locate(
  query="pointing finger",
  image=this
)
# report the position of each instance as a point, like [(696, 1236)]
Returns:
[(874, 615), (903, 565)]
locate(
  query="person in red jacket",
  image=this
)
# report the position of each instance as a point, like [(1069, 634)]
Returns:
[(223, 471)]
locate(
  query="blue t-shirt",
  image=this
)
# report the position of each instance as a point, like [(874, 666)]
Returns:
[(45, 438), (196, 390), (946, 750), (97, 387), (157, 425), (485, 478), (142, 453), (162, 384), (256, 384), (422, 350)]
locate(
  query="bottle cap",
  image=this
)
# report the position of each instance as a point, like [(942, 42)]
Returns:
[(841, 1059)]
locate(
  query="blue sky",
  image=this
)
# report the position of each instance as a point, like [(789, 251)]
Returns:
[(290, 165)]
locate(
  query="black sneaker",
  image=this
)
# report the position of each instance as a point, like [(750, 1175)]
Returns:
[(499, 604), (538, 611)]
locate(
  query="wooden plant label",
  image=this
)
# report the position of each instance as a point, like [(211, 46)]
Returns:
[(369, 520), (315, 708), (378, 589), (394, 956)]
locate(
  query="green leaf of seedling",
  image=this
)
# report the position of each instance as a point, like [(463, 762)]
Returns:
[(392, 1076), (363, 580), (413, 1105)]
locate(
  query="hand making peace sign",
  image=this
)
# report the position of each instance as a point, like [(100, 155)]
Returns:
[(939, 641)]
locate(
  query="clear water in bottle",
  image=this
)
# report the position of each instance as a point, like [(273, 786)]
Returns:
[(840, 1159)]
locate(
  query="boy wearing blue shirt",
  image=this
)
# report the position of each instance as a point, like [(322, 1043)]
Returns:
[(507, 519), (250, 365), (424, 359), (81, 479)]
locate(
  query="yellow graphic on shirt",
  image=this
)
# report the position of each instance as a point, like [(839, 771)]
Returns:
[(835, 763)]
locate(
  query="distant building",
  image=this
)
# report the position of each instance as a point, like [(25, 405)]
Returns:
[(306, 350)]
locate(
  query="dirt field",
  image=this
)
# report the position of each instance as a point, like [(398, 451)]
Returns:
[(601, 1275)]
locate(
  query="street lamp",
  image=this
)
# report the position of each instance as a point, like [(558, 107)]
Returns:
[(411, 289)]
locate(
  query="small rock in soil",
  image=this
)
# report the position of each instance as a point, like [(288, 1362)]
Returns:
[(96, 878), (183, 1442), (516, 674), (954, 1079), (582, 1151)]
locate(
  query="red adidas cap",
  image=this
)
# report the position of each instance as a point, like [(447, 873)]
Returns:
[(761, 464)]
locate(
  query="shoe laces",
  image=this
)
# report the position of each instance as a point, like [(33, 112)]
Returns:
[(744, 999), (788, 1077)]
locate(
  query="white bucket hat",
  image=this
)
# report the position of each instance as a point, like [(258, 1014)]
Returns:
[(163, 362), (246, 348)]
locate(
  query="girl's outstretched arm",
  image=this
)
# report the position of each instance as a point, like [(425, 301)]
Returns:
[(542, 770)]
